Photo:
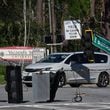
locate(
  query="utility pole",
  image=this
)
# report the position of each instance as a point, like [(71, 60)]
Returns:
[(25, 27)]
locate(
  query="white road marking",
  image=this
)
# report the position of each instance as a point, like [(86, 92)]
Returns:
[(62, 106)]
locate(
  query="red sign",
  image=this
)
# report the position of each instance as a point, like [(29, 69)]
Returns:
[(16, 53)]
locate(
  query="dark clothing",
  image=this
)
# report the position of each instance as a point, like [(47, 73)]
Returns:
[(54, 83)]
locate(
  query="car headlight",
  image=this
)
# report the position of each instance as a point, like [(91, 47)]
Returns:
[(46, 69), (24, 73)]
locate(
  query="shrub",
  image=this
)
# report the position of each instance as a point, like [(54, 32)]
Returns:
[(2, 74)]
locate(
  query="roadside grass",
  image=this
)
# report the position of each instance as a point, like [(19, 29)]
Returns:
[(2, 74), (2, 79)]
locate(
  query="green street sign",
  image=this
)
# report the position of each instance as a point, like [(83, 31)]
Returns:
[(100, 42)]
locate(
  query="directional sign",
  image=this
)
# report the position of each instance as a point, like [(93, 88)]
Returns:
[(100, 42), (72, 29)]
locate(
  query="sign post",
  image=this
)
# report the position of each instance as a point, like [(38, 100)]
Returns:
[(72, 29), (100, 42)]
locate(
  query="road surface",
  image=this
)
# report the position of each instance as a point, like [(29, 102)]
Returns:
[(94, 98)]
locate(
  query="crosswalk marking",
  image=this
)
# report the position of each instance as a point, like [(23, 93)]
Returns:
[(62, 106)]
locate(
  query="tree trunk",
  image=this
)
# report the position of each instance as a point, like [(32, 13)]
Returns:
[(39, 11), (106, 19), (53, 24), (92, 5)]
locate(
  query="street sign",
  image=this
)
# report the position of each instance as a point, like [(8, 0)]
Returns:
[(72, 29), (100, 42)]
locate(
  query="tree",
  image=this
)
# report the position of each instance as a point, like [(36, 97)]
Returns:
[(106, 19), (10, 17), (12, 24), (39, 11), (102, 15)]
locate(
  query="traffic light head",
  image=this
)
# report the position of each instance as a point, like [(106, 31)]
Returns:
[(89, 35), (87, 44), (48, 39), (87, 39)]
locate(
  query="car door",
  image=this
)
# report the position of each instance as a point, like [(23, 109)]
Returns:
[(99, 65), (82, 73), (88, 71), (75, 69), (67, 67)]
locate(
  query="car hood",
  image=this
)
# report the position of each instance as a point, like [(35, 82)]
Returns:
[(40, 66)]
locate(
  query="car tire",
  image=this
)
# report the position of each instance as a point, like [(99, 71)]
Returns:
[(62, 80), (103, 80), (75, 85)]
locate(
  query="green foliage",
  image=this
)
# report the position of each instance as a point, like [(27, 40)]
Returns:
[(78, 9), (11, 16), (12, 22), (98, 9), (35, 35), (11, 11), (2, 74)]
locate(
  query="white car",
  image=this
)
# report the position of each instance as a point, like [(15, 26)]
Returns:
[(74, 68)]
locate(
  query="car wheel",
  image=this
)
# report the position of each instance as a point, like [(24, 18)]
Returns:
[(103, 80), (62, 80), (75, 85)]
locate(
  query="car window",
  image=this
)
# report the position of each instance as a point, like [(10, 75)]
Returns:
[(78, 58), (54, 58), (71, 58), (100, 58), (81, 58)]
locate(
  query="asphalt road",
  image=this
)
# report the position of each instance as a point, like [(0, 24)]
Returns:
[(93, 98)]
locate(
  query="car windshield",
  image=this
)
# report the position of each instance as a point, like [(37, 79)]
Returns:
[(54, 58)]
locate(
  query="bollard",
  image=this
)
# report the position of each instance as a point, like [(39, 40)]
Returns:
[(41, 87)]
